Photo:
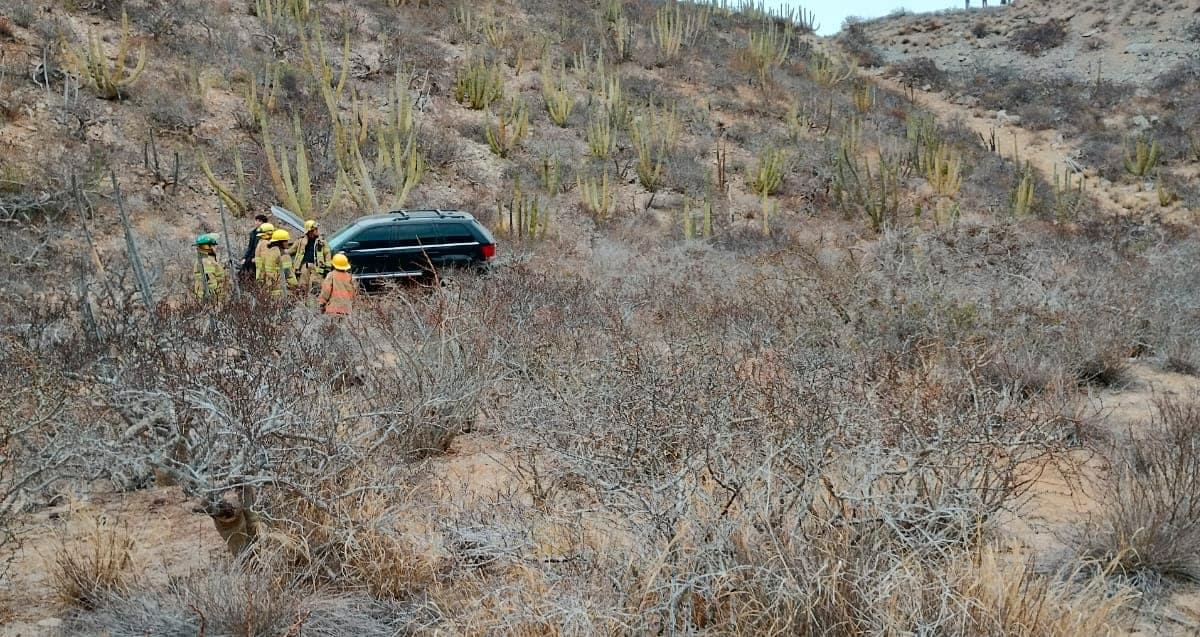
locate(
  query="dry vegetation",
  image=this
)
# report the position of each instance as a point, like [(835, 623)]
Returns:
[(773, 350)]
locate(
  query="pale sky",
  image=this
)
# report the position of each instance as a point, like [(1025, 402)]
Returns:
[(831, 14)]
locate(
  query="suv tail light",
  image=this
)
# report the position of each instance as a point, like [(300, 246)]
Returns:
[(489, 250)]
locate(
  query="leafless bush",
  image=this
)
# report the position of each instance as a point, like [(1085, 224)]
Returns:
[(173, 111), (234, 601), (88, 569), (1149, 524), (1103, 366), (919, 72), (1192, 31), (1182, 358), (1036, 39)]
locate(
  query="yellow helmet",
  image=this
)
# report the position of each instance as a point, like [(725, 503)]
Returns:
[(340, 262), (310, 224), (266, 229), (280, 235)]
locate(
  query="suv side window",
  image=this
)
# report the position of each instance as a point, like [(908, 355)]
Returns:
[(456, 233), (374, 237), (416, 234)]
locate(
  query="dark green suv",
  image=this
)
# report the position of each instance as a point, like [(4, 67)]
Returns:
[(413, 243)]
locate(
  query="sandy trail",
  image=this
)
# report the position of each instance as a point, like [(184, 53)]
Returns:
[(1041, 149)]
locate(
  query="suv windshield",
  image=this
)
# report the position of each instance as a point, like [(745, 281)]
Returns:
[(339, 237)]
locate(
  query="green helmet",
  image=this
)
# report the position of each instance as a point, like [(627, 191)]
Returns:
[(206, 240)]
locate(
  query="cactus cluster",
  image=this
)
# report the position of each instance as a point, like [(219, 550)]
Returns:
[(1023, 198), (767, 173), (524, 216), (509, 127), (829, 71), (111, 80), (674, 27), (595, 193), (1068, 195), (873, 193), (767, 49), (696, 218), (1142, 157), (560, 100), (478, 84), (655, 134)]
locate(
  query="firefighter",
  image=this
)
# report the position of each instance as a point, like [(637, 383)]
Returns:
[(278, 275), (210, 276), (310, 257), (252, 245), (260, 248), (338, 289)]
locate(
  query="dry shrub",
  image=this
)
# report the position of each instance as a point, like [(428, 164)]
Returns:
[(1036, 39), (94, 566), (369, 541), (1012, 598), (1149, 523), (1182, 358), (1103, 366), (235, 600), (919, 72)]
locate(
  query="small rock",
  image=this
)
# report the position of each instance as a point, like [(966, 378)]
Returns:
[(1139, 122), (50, 622), (1141, 48), (1004, 117), (969, 101)]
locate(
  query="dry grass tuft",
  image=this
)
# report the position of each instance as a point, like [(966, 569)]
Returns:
[(1149, 524), (93, 567)]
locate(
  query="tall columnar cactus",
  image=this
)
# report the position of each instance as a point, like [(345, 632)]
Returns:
[(233, 198), (261, 101), (697, 219), (828, 71), (560, 101), (1142, 157), (766, 176), (655, 134), (674, 27), (595, 194), (1068, 196), (875, 194), (1023, 198), (864, 96), (504, 135), (111, 80), (478, 85), (525, 216), (291, 178), (599, 135), (944, 171), (767, 48)]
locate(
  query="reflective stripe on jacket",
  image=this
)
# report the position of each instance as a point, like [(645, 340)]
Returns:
[(212, 274), (337, 292), (276, 269)]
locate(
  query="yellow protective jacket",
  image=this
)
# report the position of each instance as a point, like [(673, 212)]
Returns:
[(209, 274), (277, 273), (260, 250), (337, 293), (321, 254)]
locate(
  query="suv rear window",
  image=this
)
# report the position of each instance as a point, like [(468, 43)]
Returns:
[(455, 233)]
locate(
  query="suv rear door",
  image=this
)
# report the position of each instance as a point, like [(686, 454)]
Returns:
[(451, 243)]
